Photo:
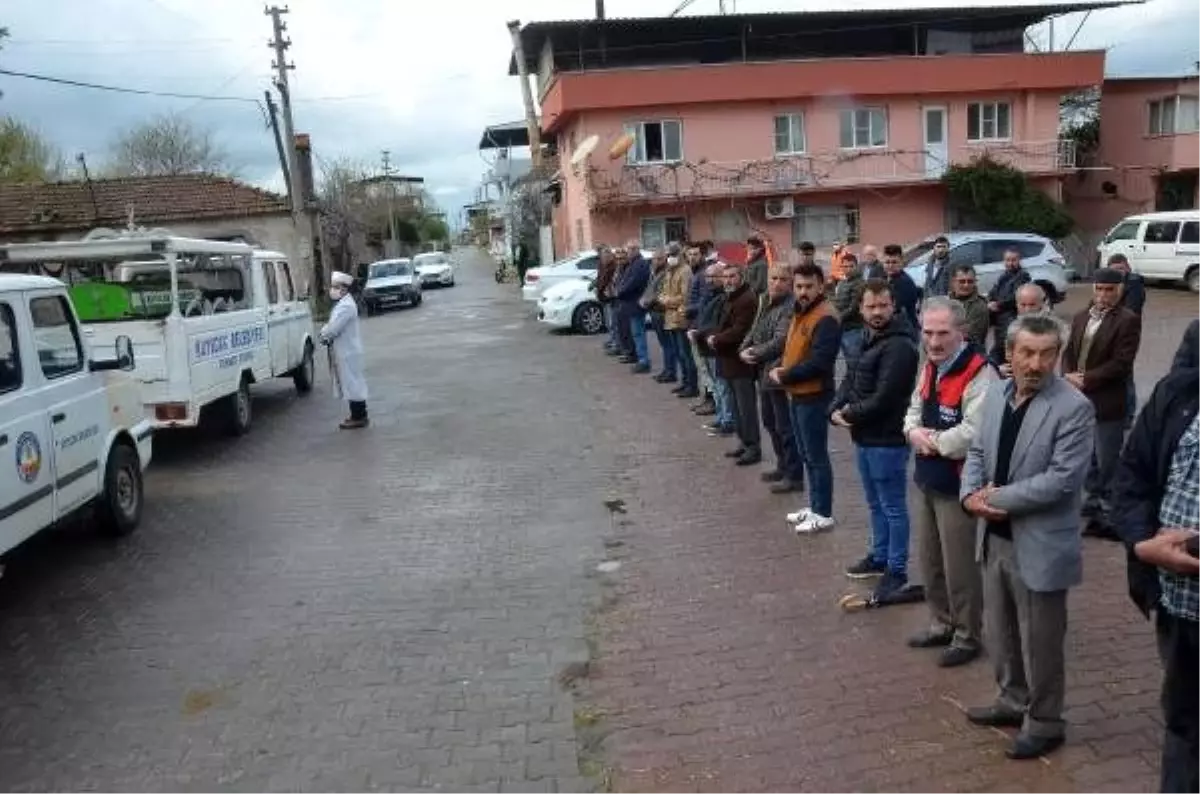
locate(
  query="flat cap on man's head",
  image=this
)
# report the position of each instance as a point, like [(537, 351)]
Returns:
[(1107, 275)]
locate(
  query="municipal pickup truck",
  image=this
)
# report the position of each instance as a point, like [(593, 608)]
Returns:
[(207, 319), (72, 431)]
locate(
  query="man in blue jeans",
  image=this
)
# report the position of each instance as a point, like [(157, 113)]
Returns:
[(871, 402), (630, 286)]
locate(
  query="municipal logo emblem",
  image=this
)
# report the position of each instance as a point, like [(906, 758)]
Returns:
[(29, 457)]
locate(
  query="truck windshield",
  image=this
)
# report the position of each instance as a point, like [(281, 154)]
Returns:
[(110, 291)]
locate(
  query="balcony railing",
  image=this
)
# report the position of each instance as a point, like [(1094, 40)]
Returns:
[(643, 183)]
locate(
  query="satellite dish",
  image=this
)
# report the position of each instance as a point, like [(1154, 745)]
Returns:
[(584, 149), (621, 146)]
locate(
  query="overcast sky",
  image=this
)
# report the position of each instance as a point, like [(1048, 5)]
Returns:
[(419, 77)]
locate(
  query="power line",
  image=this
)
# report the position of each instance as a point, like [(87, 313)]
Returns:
[(166, 94)]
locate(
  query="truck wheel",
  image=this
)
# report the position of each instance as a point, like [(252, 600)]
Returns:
[(119, 508), (417, 300), (303, 374), (237, 410)]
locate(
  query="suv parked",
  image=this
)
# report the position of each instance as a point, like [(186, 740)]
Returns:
[(985, 251)]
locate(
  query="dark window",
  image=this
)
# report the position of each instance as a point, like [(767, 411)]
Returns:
[(55, 336), (1029, 249), (1124, 231), (285, 281), (1190, 233), (966, 254), (588, 263), (272, 288), (1161, 232), (10, 357)]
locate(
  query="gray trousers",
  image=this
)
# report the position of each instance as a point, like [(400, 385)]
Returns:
[(706, 385), (953, 588), (1109, 438), (1024, 632)]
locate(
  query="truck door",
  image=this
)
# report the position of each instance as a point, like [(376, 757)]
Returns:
[(26, 478), (277, 320), (299, 317), (74, 399)]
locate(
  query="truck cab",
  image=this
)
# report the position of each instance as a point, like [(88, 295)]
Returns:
[(72, 428)]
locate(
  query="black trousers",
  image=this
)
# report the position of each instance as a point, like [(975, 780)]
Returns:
[(624, 330), (777, 419), (1177, 649), (745, 412), (358, 409)]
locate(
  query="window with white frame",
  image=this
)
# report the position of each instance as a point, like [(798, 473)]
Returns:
[(989, 121), (825, 225), (1174, 115), (789, 134), (660, 231), (863, 128), (656, 142)]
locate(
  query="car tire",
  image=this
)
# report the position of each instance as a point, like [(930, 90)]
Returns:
[(119, 508), (305, 375), (1192, 279), (371, 310), (238, 412), (417, 300), (588, 318)]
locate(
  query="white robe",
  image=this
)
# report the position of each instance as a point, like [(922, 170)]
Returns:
[(342, 330)]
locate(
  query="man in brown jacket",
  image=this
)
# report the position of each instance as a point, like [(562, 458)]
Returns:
[(1098, 360), (737, 317), (673, 295)]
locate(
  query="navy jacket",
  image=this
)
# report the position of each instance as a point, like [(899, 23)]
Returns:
[(874, 395), (1134, 297), (698, 291), (632, 283), (907, 297)]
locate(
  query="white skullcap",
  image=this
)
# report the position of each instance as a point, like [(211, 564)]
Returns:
[(340, 279)]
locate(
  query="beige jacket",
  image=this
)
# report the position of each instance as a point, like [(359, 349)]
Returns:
[(955, 442), (673, 296)]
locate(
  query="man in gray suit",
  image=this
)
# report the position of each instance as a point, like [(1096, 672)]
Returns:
[(1023, 480)]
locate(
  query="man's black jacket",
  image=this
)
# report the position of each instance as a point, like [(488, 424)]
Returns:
[(874, 395), (1141, 476)]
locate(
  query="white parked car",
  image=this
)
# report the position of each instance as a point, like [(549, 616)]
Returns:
[(572, 304), (72, 428), (985, 252), (436, 269), (391, 282), (539, 279), (1161, 246)]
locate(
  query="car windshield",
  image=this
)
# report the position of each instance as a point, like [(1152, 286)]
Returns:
[(429, 259), (917, 252), (389, 269)]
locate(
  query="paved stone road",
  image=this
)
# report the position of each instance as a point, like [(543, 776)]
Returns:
[(321, 610), (726, 665)]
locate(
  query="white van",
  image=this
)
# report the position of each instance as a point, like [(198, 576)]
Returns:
[(207, 319), (1161, 246), (73, 434)]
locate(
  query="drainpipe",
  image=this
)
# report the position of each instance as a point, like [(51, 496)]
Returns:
[(600, 10)]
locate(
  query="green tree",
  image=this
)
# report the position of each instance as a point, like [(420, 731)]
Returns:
[(1000, 197), (434, 229), (25, 156)]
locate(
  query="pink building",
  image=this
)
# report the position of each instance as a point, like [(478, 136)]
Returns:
[(1148, 157), (802, 126)]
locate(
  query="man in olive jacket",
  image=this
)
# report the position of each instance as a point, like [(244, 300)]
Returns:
[(763, 348), (737, 316)]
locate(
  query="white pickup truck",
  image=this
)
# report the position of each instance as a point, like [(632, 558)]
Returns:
[(207, 319), (72, 430)]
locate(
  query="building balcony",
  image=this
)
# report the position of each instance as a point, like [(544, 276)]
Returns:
[(624, 184)]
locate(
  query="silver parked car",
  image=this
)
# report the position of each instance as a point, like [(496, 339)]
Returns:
[(985, 251)]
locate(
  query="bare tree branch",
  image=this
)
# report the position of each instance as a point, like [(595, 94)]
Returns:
[(165, 146)]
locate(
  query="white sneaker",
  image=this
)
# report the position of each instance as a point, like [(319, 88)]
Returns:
[(814, 523), (800, 516)]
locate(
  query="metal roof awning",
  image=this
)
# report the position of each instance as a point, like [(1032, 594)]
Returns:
[(117, 248), (505, 136)]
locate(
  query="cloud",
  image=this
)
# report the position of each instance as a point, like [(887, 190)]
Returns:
[(419, 78)]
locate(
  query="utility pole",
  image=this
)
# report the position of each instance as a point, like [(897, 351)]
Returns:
[(295, 190), (284, 163), (391, 194), (531, 120)]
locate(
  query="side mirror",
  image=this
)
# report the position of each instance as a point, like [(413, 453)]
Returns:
[(124, 348)]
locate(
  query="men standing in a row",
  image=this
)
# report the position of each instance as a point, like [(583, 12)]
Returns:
[(763, 349), (674, 295), (941, 423), (937, 271), (698, 293), (964, 289), (871, 402), (1156, 509), (737, 316), (635, 275), (606, 272), (1023, 476), (1002, 300), (708, 321), (1098, 361), (806, 374)]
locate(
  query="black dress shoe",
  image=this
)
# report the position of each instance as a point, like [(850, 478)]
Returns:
[(662, 377), (678, 389), (931, 639), (994, 717), (786, 486), (956, 656), (736, 453), (1098, 529), (775, 475), (687, 393), (749, 458), (1026, 747), (626, 359)]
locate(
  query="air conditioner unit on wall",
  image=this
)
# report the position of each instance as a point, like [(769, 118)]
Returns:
[(777, 208)]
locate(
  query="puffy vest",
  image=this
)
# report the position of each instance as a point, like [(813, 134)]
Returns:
[(941, 411)]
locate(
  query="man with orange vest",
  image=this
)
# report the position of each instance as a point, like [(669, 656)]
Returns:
[(941, 421), (806, 374), (839, 264)]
